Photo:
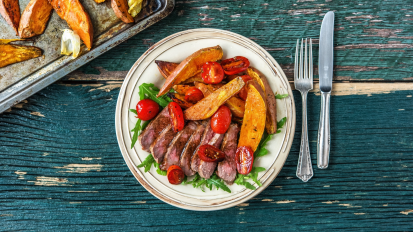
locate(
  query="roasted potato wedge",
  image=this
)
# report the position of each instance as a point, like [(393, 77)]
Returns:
[(271, 121), (196, 78), (190, 66), (34, 18), (236, 105), (10, 54), (166, 68), (73, 12), (253, 124), (180, 99), (120, 7), (209, 104), (181, 89), (10, 11), (99, 1)]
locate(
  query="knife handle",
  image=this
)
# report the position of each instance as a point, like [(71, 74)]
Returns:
[(323, 142)]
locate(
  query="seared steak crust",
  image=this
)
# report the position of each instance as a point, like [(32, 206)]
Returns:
[(155, 127), (227, 169), (161, 144), (189, 150)]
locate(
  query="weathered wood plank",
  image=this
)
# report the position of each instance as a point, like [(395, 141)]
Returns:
[(64, 171)]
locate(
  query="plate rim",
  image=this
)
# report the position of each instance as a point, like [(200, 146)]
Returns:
[(175, 202)]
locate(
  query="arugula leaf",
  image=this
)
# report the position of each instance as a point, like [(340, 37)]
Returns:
[(185, 180), (241, 181), (254, 174), (280, 124), (136, 130), (218, 183), (133, 111), (199, 182), (281, 96), (158, 169), (147, 163), (150, 91), (261, 150)]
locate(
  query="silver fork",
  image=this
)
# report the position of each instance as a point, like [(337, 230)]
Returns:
[(303, 82)]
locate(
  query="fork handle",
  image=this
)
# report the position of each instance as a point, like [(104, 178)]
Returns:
[(304, 167), (323, 142)]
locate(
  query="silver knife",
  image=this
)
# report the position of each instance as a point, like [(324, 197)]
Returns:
[(325, 70)]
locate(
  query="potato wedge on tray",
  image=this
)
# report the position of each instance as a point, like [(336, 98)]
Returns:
[(191, 66), (253, 124), (34, 18), (208, 105), (11, 54), (73, 12), (271, 120), (120, 7), (10, 11)]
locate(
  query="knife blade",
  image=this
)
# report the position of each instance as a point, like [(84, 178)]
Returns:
[(325, 70)]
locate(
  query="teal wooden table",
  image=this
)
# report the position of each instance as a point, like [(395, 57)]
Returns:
[(61, 168)]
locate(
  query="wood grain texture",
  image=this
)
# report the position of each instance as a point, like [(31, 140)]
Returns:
[(64, 170)]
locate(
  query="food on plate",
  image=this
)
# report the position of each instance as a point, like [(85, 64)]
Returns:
[(177, 116), (207, 106), (189, 150), (227, 169), (99, 1), (221, 120), (244, 91), (253, 124), (73, 12), (135, 6), (244, 157), (160, 146), (147, 109), (180, 100), (120, 7), (11, 54), (196, 78), (70, 43), (34, 18), (190, 66), (193, 95), (210, 153), (181, 89), (235, 65), (175, 174), (166, 68), (212, 73), (271, 120), (236, 105), (154, 128), (10, 11)]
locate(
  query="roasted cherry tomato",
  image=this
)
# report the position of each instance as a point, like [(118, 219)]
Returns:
[(243, 93), (235, 65), (177, 116), (147, 109), (244, 159), (193, 95), (221, 120), (212, 73), (210, 153), (175, 174)]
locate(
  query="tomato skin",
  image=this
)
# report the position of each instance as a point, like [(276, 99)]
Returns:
[(212, 73), (175, 174), (244, 157), (210, 153), (243, 93), (177, 116), (235, 65), (147, 109), (193, 95), (221, 120)]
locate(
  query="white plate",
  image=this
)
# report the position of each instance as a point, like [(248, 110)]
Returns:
[(176, 48)]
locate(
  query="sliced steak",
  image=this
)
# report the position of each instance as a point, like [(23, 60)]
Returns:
[(154, 128), (189, 150), (173, 154), (161, 144), (227, 169)]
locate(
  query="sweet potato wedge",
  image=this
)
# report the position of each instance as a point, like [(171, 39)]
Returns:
[(196, 78), (99, 1), (236, 105), (165, 67), (180, 99), (34, 18), (120, 7), (10, 11), (271, 121), (181, 89), (10, 54), (73, 12), (208, 105), (190, 66), (253, 124)]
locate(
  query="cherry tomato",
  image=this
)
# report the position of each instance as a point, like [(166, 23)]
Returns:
[(243, 93), (212, 73), (221, 120), (244, 159), (193, 95), (235, 65), (177, 116), (175, 174), (210, 153), (147, 109)]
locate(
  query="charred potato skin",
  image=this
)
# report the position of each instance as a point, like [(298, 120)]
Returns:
[(11, 54), (34, 18), (120, 7), (10, 11)]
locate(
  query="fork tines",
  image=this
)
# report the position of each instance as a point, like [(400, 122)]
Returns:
[(303, 73)]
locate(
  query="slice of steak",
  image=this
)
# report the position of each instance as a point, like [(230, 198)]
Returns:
[(227, 169), (161, 144), (154, 128), (173, 154), (189, 150)]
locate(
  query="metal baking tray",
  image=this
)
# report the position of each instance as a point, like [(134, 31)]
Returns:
[(21, 80)]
